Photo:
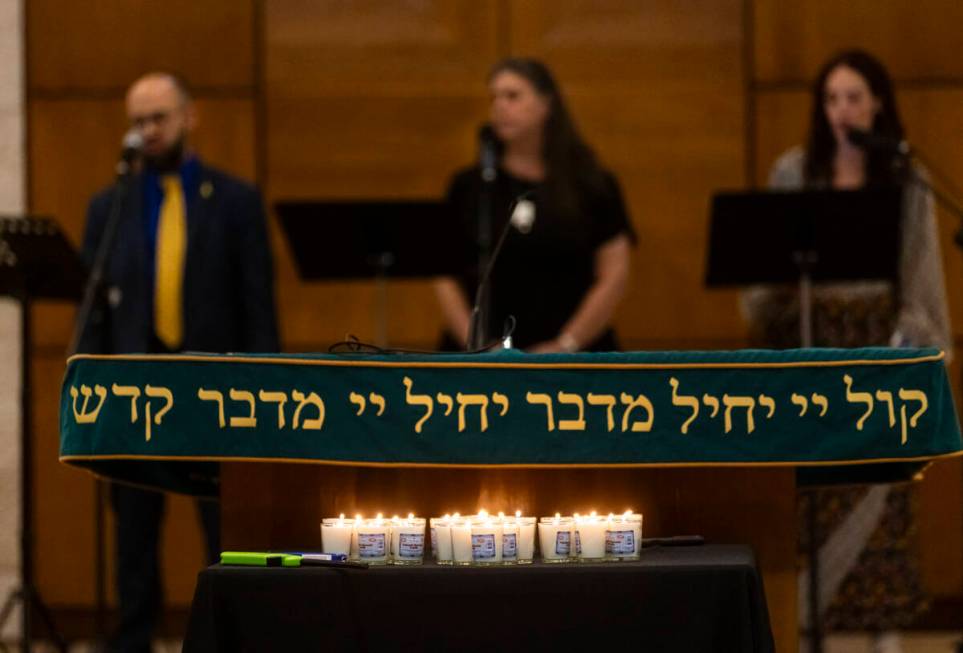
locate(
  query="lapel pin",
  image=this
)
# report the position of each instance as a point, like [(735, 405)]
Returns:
[(207, 189)]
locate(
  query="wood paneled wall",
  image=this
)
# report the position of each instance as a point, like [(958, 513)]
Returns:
[(381, 99)]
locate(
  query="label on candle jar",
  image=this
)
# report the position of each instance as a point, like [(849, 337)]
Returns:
[(483, 546), (578, 544), (620, 542), (563, 543), (411, 545), (371, 545), (509, 546)]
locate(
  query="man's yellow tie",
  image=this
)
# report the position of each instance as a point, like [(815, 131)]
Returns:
[(169, 268)]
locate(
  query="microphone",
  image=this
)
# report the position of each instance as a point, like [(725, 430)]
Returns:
[(870, 141), (487, 153), (131, 147), (522, 219)]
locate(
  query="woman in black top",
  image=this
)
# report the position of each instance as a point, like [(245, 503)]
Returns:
[(563, 281)]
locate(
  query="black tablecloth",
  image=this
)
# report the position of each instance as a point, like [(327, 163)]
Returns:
[(704, 598)]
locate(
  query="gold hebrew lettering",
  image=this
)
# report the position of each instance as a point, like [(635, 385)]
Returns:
[(355, 398), (213, 395), (303, 400), (912, 395), (250, 421), (378, 401), (609, 402), (768, 402), (83, 417), (684, 400), (887, 398), (131, 391), (641, 401), (472, 400), (711, 402), (822, 402), (739, 402), (545, 400), (577, 424), (418, 400), (279, 398), (802, 402), (500, 400), (157, 393), (858, 398), (447, 401)]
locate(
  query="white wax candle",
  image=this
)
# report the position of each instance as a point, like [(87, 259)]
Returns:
[(623, 540), (336, 536), (486, 542), (408, 541), (555, 538), (509, 541), (526, 539), (374, 541), (591, 537), (441, 540), (461, 542)]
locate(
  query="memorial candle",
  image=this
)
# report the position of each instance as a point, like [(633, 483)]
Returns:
[(374, 541), (555, 538), (526, 538), (623, 540), (591, 537), (408, 541), (336, 535), (441, 539), (486, 540), (460, 540)]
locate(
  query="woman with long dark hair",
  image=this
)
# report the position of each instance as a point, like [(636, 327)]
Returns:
[(563, 281), (869, 576)]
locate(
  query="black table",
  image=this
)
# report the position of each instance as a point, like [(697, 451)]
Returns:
[(703, 598)]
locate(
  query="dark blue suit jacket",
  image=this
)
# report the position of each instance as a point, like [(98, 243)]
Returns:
[(228, 276)]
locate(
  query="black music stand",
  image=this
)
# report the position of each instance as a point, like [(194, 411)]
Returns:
[(783, 237), (372, 239), (36, 262)]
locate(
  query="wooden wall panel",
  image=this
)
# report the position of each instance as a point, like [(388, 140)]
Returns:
[(917, 40), (87, 47), (657, 89), (379, 100)]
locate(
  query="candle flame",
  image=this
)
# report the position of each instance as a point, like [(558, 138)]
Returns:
[(411, 516), (558, 517), (457, 515), (447, 516), (483, 514), (358, 517), (518, 514)]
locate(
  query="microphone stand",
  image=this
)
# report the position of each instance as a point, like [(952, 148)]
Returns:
[(479, 311), (489, 174), (93, 291)]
